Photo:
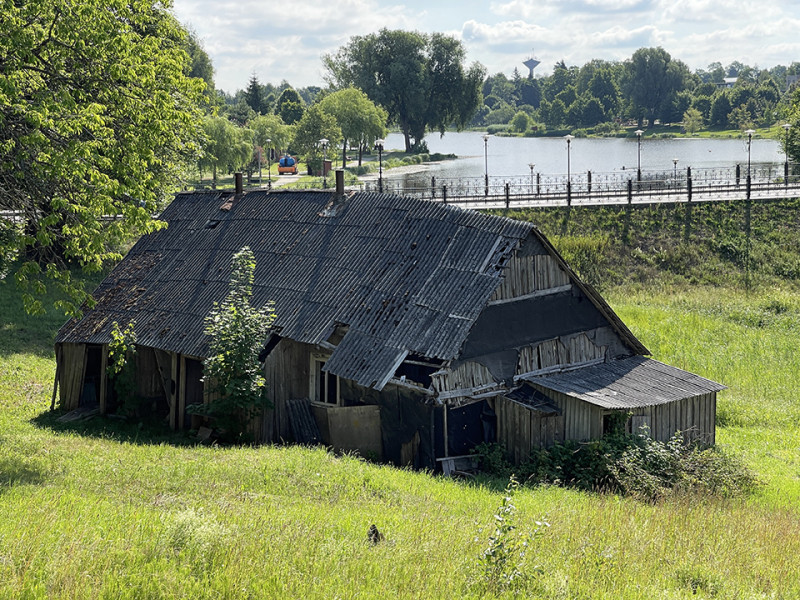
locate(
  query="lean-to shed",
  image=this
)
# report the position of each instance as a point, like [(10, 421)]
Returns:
[(410, 330)]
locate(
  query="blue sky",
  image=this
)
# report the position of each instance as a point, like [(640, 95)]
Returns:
[(280, 40)]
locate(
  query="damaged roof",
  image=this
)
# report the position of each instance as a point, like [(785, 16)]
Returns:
[(631, 382), (406, 276)]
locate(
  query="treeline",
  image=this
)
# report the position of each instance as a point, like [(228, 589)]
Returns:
[(649, 87)]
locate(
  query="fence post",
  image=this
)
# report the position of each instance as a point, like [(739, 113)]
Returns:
[(433, 188), (630, 191), (786, 173), (508, 194), (689, 181), (569, 193), (538, 183), (444, 194), (738, 174), (589, 182)]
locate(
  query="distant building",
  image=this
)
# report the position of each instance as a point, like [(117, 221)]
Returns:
[(531, 63)]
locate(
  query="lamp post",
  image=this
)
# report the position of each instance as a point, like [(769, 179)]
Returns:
[(269, 165), (486, 164), (639, 133), (569, 139), (531, 165), (379, 145), (675, 170), (786, 127), (749, 133), (324, 143)]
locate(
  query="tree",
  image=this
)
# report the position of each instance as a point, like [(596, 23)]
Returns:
[(651, 79), (358, 118), (226, 147), (233, 371), (289, 106), (315, 125), (720, 109), (97, 117), (692, 120), (270, 127), (199, 64), (254, 96), (520, 122), (419, 79)]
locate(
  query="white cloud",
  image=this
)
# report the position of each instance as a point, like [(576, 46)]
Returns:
[(278, 42)]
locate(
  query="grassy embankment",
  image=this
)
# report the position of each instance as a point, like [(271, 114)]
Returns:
[(109, 510)]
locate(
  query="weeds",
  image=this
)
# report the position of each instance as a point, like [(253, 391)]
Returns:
[(502, 564)]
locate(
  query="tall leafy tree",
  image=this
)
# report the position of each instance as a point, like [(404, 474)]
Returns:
[(651, 79), (226, 147), (289, 106), (315, 125), (360, 120), (97, 117), (420, 79)]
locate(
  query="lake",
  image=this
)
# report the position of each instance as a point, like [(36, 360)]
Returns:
[(510, 156)]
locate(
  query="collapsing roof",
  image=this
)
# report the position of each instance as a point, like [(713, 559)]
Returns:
[(406, 277)]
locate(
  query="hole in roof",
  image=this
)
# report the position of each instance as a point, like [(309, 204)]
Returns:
[(210, 224)]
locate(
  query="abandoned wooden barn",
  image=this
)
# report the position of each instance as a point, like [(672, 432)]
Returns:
[(413, 330)]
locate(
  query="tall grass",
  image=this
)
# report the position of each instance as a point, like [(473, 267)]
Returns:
[(108, 510)]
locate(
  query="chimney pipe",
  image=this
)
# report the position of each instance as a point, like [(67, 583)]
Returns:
[(340, 182), (238, 182)]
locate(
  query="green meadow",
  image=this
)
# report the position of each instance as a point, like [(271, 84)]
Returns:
[(110, 509)]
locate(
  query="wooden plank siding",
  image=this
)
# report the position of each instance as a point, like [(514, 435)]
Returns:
[(522, 430), (527, 274), (693, 416), (287, 375)]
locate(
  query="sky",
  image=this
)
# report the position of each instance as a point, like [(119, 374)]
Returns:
[(284, 40)]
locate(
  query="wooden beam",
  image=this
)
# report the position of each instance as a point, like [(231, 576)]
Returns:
[(103, 378), (173, 413)]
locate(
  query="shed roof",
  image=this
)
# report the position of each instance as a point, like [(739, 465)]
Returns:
[(627, 383)]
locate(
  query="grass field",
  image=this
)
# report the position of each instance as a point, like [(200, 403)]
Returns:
[(104, 509)]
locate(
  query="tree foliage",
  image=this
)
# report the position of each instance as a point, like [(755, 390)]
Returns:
[(420, 79), (97, 117), (237, 332), (651, 80), (289, 106), (226, 147), (315, 125), (360, 120)]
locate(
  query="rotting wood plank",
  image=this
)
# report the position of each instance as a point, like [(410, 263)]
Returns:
[(173, 404)]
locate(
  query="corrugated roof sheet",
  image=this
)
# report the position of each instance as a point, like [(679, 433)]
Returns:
[(406, 275), (627, 383)]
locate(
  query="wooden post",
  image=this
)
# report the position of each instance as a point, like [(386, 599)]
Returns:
[(630, 191), (508, 194), (173, 400), (103, 378), (589, 182), (182, 392), (444, 194), (433, 188), (446, 441)]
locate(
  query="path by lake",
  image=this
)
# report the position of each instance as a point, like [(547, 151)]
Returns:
[(511, 156)]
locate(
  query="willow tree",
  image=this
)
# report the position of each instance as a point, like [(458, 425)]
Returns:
[(421, 80), (361, 121), (98, 118)]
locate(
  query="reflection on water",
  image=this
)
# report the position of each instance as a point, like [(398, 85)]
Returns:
[(512, 156)]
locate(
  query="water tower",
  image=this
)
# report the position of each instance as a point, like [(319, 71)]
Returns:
[(531, 63)]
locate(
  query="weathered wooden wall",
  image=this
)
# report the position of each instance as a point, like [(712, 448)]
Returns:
[(694, 416), (287, 374), (525, 275), (522, 430)]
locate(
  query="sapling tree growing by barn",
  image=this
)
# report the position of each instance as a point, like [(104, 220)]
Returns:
[(233, 372)]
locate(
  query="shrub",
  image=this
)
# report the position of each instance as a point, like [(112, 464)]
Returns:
[(121, 368), (633, 465)]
